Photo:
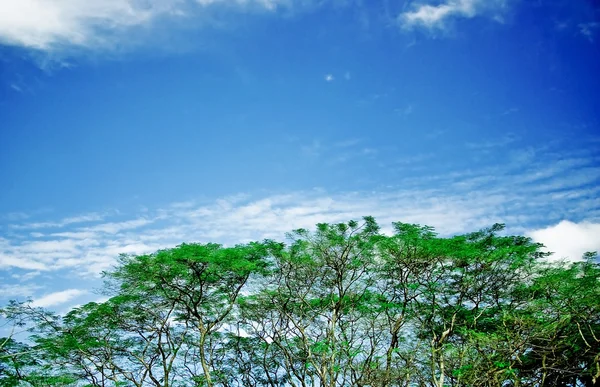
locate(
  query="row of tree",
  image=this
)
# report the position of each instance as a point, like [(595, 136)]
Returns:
[(344, 305)]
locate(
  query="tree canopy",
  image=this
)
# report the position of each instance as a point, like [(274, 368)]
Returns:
[(343, 305)]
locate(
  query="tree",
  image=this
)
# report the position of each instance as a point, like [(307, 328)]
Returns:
[(343, 305), (200, 283), (27, 363), (315, 317), (564, 304)]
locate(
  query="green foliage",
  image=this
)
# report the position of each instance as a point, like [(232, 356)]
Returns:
[(341, 305)]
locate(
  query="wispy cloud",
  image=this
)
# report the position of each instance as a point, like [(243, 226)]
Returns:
[(18, 290), (510, 111), (589, 29), (414, 159), (347, 143), (312, 150), (337, 152), (532, 189), (405, 111), (503, 141), (435, 134), (14, 216), (436, 16), (49, 25), (16, 87), (116, 227), (83, 218), (524, 198), (57, 298), (329, 78)]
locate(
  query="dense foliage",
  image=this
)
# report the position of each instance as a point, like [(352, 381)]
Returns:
[(344, 305)]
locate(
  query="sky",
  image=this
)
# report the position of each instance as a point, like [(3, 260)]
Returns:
[(128, 126)]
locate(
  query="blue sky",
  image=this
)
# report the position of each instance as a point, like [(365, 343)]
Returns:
[(127, 126)]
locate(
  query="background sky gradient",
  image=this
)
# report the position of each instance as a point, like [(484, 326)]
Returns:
[(127, 126)]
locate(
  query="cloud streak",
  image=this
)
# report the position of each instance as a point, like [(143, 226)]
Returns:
[(436, 16), (528, 193), (57, 298), (535, 190), (50, 25)]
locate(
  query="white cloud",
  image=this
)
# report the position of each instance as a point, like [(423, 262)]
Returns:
[(51, 246), (26, 276), (83, 218), (329, 78), (49, 25), (569, 240), (435, 16), (13, 261), (17, 291), (57, 298), (113, 228), (44, 24), (525, 193)]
